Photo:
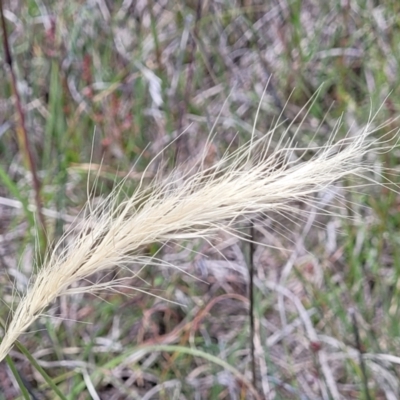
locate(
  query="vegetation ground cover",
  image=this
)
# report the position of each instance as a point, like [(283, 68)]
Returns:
[(104, 87)]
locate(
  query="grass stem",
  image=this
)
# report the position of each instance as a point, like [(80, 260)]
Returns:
[(22, 134)]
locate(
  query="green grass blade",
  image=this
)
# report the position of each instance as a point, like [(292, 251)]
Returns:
[(17, 376), (41, 371)]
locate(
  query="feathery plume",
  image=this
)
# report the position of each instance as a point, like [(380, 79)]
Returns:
[(192, 205)]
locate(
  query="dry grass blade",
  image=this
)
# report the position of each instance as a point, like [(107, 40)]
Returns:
[(193, 204)]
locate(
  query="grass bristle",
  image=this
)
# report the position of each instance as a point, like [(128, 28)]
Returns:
[(193, 204)]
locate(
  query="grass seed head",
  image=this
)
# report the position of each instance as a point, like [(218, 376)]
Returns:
[(189, 205)]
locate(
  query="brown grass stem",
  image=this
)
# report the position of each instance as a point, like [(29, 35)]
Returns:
[(22, 134), (251, 302), (359, 347)]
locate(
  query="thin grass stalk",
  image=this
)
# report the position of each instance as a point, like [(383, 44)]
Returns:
[(251, 305), (22, 134)]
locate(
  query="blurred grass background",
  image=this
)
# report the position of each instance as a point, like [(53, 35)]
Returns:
[(105, 85)]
